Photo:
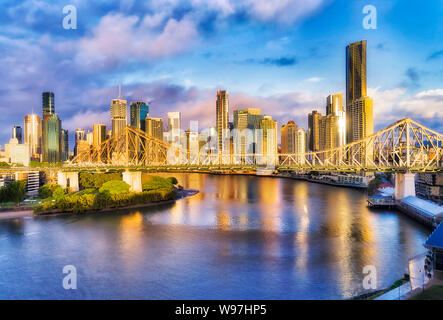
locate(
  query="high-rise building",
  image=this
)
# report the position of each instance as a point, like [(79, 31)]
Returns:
[(98, 134), (269, 144), (245, 137), (314, 130), (300, 145), (222, 119), (174, 127), (119, 114), (356, 94), (154, 127), (33, 135), (139, 111), (328, 132), (17, 133), (51, 132), (334, 106), (192, 143), (288, 134), (48, 103), (361, 122), (79, 136), (90, 137), (64, 145)]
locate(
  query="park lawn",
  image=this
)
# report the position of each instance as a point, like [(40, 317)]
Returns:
[(432, 293)]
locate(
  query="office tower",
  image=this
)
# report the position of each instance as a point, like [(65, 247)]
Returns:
[(64, 145), (314, 130), (174, 127), (300, 145), (328, 132), (98, 134), (356, 93), (82, 146), (245, 137), (118, 115), (288, 133), (33, 135), (222, 119), (17, 133), (51, 132), (269, 144), (79, 136), (139, 111), (361, 123), (108, 133), (334, 106), (154, 127), (48, 103)]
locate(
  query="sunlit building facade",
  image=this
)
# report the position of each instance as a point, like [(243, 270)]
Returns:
[(154, 127), (33, 135), (119, 114), (222, 119), (174, 127), (98, 134)]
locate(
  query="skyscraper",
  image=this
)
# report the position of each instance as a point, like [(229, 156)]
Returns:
[(174, 127), (222, 118), (64, 145), (51, 130), (17, 133), (334, 106), (269, 144), (33, 135), (119, 114), (154, 127), (98, 134), (359, 110), (314, 130), (139, 111), (288, 134), (48, 103), (245, 137)]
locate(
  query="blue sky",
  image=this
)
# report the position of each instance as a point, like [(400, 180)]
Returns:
[(283, 56)]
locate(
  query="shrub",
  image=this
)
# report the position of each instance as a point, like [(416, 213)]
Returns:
[(4, 164), (58, 193), (172, 180), (47, 190), (96, 180), (157, 183), (115, 187)]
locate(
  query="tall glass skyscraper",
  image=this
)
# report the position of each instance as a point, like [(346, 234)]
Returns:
[(359, 110), (17, 133), (222, 118), (139, 111), (51, 132), (33, 135), (64, 145), (48, 103)]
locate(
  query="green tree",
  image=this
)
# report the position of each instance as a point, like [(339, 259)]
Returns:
[(15, 191), (115, 187), (4, 164), (58, 193), (172, 180)]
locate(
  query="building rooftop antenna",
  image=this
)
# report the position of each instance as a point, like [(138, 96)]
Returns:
[(119, 91)]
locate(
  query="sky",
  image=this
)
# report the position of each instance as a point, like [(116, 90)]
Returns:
[(282, 56)]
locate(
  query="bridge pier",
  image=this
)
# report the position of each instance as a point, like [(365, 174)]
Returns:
[(68, 180), (404, 185), (134, 179)]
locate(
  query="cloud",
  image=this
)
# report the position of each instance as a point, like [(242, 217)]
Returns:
[(285, 61), (412, 78), (391, 105), (435, 55), (315, 79), (119, 38)]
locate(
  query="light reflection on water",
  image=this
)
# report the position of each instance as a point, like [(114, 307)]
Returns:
[(240, 237)]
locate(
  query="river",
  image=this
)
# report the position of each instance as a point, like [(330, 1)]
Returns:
[(241, 237)]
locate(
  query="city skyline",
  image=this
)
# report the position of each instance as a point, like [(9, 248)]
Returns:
[(298, 64)]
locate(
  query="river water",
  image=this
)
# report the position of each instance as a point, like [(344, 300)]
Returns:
[(241, 237)]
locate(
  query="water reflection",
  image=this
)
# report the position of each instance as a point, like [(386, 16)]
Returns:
[(269, 238)]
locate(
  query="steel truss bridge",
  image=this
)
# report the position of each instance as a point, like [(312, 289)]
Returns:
[(405, 146)]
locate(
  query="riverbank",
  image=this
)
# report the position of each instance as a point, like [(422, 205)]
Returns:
[(14, 214)]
